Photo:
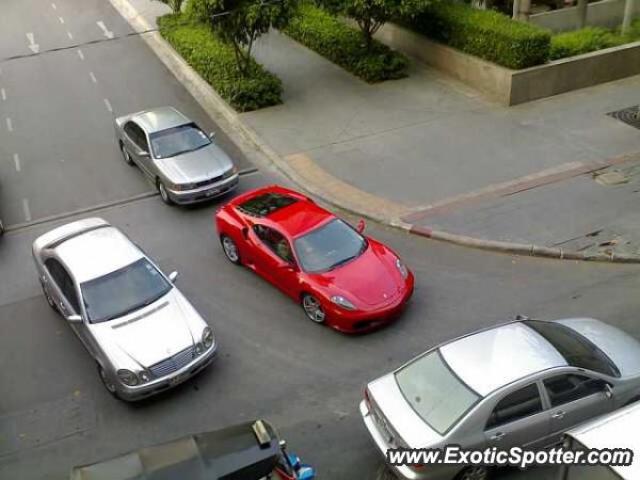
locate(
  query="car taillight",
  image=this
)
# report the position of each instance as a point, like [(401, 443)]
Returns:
[(418, 466)]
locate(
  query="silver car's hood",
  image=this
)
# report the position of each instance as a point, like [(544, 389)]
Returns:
[(153, 333), (402, 418), (198, 165), (621, 348)]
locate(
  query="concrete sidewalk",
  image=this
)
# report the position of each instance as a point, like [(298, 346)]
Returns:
[(427, 140)]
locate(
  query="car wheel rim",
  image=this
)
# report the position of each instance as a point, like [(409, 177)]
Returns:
[(313, 309), (110, 386), (125, 154), (163, 193), (48, 298), (475, 473), (230, 249)]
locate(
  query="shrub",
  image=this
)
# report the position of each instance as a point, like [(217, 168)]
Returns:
[(588, 40), (215, 61), (345, 46), (484, 33)]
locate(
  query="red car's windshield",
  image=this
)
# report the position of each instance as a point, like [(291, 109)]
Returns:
[(329, 246)]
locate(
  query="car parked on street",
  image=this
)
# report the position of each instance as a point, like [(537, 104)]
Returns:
[(615, 430), (340, 277), (142, 332), (184, 163), (523, 383), (248, 451)]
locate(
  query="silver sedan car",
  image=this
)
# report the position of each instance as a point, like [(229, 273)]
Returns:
[(521, 384), (184, 163), (142, 332)]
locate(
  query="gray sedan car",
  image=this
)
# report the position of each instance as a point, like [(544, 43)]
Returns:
[(184, 163), (521, 384), (142, 332)]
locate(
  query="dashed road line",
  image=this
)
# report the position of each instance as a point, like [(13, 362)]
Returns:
[(54, 6), (26, 209), (108, 105), (93, 77), (3, 94), (9, 124), (70, 35), (80, 54), (16, 160), (61, 20), (106, 32)]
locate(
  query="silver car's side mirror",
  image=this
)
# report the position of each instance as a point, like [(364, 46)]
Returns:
[(74, 318), (144, 154), (173, 276), (212, 135)]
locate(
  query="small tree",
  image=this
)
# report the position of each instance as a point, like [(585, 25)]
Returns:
[(370, 15), (176, 5), (241, 22)]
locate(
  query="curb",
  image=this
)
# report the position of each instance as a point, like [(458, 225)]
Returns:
[(343, 195)]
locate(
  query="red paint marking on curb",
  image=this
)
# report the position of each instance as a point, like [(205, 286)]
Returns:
[(422, 231), (513, 187)]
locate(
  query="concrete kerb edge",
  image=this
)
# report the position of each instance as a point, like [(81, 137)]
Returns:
[(255, 148)]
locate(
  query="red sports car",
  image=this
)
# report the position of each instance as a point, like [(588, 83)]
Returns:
[(340, 277)]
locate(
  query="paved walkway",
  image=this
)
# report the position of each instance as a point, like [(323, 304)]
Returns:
[(428, 140)]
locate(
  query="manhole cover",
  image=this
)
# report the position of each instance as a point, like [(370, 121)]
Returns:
[(629, 115), (611, 178)]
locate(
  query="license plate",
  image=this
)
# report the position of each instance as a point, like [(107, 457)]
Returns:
[(176, 380), (211, 192)]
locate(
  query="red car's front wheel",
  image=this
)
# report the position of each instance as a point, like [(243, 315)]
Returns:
[(313, 308), (230, 249)]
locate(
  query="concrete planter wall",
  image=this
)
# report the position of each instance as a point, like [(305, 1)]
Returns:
[(607, 13), (512, 87)]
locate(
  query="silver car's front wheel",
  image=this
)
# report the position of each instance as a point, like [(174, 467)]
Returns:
[(164, 195), (108, 384), (230, 249), (313, 309), (125, 155), (474, 473)]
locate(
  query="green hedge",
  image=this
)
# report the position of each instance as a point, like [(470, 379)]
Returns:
[(343, 45), (214, 60), (483, 33), (590, 39)]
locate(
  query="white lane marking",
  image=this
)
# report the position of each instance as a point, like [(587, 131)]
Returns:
[(16, 160), (80, 54), (3, 93), (35, 48), (27, 210), (93, 77), (108, 105), (61, 20), (107, 33), (9, 124), (54, 6), (70, 35)]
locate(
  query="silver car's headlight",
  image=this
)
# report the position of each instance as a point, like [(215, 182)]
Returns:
[(207, 337), (343, 302), (128, 377), (402, 268), (231, 172)]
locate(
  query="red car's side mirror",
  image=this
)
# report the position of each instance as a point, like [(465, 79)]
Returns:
[(361, 226)]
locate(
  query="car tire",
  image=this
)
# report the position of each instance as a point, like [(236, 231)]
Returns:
[(313, 309), (164, 195), (125, 155), (1, 228), (111, 388), (230, 249), (49, 300), (475, 472)]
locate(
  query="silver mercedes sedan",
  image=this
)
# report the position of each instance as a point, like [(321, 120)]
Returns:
[(520, 384), (142, 332), (182, 162)]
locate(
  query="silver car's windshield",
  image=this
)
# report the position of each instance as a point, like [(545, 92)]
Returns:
[(123, 291), (329, 246), (435, 392), (175, 141)]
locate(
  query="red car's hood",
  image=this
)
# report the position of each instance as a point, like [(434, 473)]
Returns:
[(370, 279)]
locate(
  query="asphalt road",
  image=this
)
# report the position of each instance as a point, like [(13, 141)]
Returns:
[(308, 380)]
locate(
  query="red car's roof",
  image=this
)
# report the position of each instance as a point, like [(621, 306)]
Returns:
[(294, 219)]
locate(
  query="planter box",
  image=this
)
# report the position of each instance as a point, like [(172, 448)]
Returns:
[(606, 13), (512, 87)]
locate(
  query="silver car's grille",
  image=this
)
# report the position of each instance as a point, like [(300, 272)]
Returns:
[(174, 363), (204, 183)]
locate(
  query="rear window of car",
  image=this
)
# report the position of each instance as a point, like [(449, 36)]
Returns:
[(435, 392), (578, 351), (263, 205)]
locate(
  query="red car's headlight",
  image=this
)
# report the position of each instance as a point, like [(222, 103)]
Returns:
[(343, 302), (404, 271)]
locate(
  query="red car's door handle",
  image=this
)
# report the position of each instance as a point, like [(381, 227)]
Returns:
[(245, 233)]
